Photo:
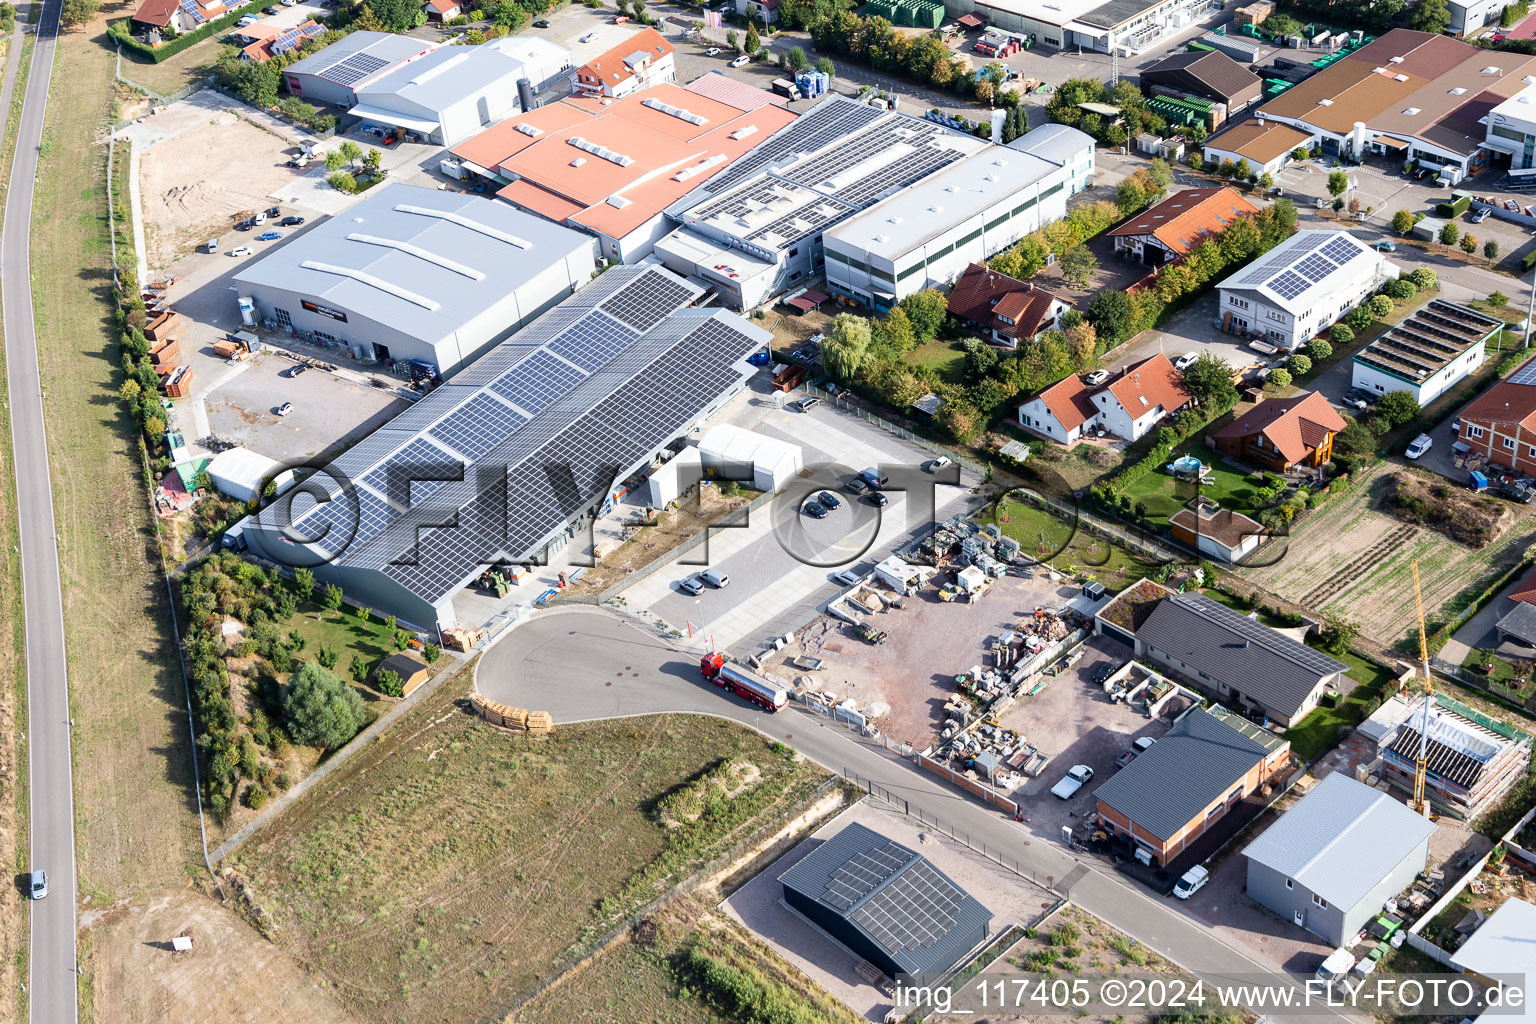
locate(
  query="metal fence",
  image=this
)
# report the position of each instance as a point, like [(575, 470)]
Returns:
[(896, 747), (906, 434), (998, 857), (1139, 543)]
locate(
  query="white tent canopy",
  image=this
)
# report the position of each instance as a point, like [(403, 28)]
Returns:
[(729, 451), (242, 473)]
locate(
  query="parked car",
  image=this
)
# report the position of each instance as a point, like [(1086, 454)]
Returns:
[(715, 578), (1076, 778), (807, 404), (1456, 425), (37, 884), (247, 21), (938, 464), (289, 3), (857, 486), (829, 500), (245, 225), (1192, 882), (274, 211), (692, 585), (269, 236), (1386, 245), (1355, 402), (588, 37), (541, 23), (713, 51), (1368, 397), (284, 409), (269, 11), (1479, 215), (1096, 378), (241, 250), (878, 499), (291, 222), (815, 510), (1185, 361), (1514, 490), (1419, 446), (846, 577), (741, 62), (260, 218), (296, 369)]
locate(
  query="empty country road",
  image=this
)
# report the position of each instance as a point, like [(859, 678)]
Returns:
[(52, 984), (588, 663)]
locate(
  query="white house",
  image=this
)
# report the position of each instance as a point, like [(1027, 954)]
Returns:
[(641, 60), (1298, 288), (1128, 406), (765, 11), (1428, 353)]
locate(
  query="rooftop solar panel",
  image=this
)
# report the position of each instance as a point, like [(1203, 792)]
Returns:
[(535, 383), (354, 69), (477, 426), (1525, 375)]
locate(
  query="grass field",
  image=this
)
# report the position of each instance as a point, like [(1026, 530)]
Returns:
[(1319, 730), (1065, 546), (190, 65), (627, 983), (946, 358), (136, 829), (1349, 559), (448, 867), (1232, 488)]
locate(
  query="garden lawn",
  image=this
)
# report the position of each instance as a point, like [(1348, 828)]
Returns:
[(343, 632), (1067, 547), (1231, 488), (1319, 731), (946, 358)]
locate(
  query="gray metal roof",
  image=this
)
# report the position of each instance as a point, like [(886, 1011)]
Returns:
[(424, 261), (1520, 622), (1228, 646), (1199, 760), (492, 464), (1057, 143), (893, 895), (1341, 839), (387, 47), (443, 77), (1502, 945)]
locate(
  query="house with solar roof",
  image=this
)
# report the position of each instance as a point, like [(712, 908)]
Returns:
[(418, 275), (886, 904), (1471, 760), (336, 73), (508, 456), (1295, 291), (268, 42), (1427, 354)]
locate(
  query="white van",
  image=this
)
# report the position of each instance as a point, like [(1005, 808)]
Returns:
[(1192, 882), (1337, 965)]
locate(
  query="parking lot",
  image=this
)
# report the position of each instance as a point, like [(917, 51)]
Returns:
[(1011, 899), (780, 576)]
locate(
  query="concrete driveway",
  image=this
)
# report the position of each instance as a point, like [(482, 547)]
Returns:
[(1191, 330)]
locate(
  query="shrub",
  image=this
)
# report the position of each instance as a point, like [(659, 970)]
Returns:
[(1449, 234), (1066, 934), (1319, 349), (1299, 364), (1381, 306), (1455, 208), (1280, 378), (1401, 289), (321, 710), (1402, 222), (1424, 278), (255, 797), (1341, 334), (389, 683)]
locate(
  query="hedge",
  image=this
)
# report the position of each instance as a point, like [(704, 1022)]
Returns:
[(119, 31), (1528, 260), (1438, 638), (1455, 208)]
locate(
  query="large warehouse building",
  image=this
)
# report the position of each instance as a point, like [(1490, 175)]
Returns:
[(501, 462), (418, 274), (336, 73), (1130, 26), (926, 235), (453, 92), (755, 230), (611, 167)]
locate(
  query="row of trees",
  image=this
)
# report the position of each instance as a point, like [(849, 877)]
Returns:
[(1065, 107)]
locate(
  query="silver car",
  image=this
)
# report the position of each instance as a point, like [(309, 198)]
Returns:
[(692, 585)]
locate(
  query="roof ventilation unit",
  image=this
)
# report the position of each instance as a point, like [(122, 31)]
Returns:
[(677, 112), (530, 131), (744, 132)]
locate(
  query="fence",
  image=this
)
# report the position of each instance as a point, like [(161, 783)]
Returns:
[(1141, 545), (996, 856), (836, 398), (896, 747), (972, 786)]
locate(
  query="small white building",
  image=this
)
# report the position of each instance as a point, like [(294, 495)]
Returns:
[(673, 478), (902, 576), (1471, 15), (1511, 129), (765, 11), (925, 235), (1428, 353), (243, 474), (729, 452), (1301, 286)]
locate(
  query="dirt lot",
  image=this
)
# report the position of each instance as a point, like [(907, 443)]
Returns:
[(1350, 559), (233, 974), (449, 866), (195, 184), (930, 642)]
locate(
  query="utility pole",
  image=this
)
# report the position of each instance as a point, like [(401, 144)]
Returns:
[(1530, 308)]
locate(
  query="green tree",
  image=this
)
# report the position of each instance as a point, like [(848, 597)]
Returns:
[(1161, 173), (1397, 407), (1449, 234), (1469, 243), (402, 639), (1110, 315), (753, 43), (1498, 300), (960, 419), (373, 160), (1381, 306), (364, 614), (1266, 181), (78, 12), (1491, 249), (1299, 365), (1209, 379), (1078, 265), (390, 623), (350, 151), (389, 683), (796, 58), (826, 67), (927, 311), (334, 161), (430, 653), (1130, 196), (327, 656), (341, 181), (129, 391), (1299, 153), (1338, 633), (1319, 349), (305, 581), (1338, 183), (1279, 378), (320, 710), (1424, 278), (1429, 16), (846, 349), (400, 15), (894, 332), (733, 40), (1402, 222), (332, 597)]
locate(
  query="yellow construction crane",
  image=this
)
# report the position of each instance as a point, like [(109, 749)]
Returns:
[(1420, 768)]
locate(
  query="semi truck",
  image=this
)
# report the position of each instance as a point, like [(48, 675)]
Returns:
[(762, 692)]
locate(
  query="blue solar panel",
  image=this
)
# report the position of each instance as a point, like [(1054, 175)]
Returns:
[(191, 9), (1314, 268), (1341, 250), (1289, 285), (397, 479), (592, 342), (477, 426), (296, 37), (534, 384)]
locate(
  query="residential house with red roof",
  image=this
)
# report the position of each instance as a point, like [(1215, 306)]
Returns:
[(1501, 422), (268, 41), (1281, 433), (1176, 226), (1004, 309), (642, 60), (442, 11), (1128, 406), (1525, 590), (159, 15)]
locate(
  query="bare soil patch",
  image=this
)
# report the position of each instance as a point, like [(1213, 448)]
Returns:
[(1459, 513), (232, 974), (194, 185)]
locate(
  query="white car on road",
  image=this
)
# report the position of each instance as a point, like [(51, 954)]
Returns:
[(1075, 779)]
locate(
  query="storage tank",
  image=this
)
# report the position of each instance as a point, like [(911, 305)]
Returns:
[(999, 118), (247, 310), (525, 94)]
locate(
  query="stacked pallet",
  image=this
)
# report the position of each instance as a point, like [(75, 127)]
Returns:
[(521, 719)]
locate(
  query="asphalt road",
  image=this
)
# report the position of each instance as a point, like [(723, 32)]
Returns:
[(586, 663), (52, 984)]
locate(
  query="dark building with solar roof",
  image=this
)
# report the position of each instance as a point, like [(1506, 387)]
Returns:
[(506, 458), (886, 904)]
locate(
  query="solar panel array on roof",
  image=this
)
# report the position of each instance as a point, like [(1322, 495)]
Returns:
[(824, 125), (477, 426), (863, 873), (1305, 260), (1525, 375), (190, 7), (296, 37), (916, 909), (354, 69)]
